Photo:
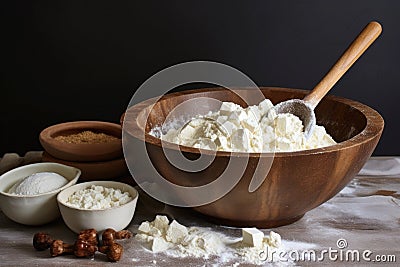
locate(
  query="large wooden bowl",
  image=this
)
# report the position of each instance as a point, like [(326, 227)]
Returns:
[(297, 181)]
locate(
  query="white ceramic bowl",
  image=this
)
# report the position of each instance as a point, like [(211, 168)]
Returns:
[(117, 218), (36, 209)]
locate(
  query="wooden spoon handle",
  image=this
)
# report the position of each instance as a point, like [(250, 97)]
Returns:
[(353, 52)]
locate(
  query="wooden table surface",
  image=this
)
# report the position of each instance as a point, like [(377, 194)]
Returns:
[(366, 214)]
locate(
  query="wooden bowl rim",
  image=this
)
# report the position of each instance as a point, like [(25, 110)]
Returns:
[(374, 126)]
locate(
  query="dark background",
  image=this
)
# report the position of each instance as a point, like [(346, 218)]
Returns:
[(83, 60)]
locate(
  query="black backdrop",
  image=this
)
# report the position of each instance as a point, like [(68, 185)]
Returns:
[(83, 60)]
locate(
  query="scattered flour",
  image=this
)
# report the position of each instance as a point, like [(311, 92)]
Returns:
[(173, 240)]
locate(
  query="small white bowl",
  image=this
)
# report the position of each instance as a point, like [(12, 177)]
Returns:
[(33, 209), (117, 218)]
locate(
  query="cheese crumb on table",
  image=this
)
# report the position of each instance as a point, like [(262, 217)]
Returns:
[(176, 232), (274, 239), (252, 237), (159, 244), (177, 240)]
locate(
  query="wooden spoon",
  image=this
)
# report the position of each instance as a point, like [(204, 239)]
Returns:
[(304, 109)]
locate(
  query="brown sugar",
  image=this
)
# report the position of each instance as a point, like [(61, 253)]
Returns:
[(87, 137)]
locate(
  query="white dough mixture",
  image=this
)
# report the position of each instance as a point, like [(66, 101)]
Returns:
[(253, 129)]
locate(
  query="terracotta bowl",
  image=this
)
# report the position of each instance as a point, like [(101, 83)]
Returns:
[(93, 171), (297, 181), (82, 152)]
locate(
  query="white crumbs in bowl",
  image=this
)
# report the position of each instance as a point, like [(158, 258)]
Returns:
[(97, 197)]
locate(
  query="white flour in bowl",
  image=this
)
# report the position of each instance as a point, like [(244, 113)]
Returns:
[(38, 183), (253, 129)]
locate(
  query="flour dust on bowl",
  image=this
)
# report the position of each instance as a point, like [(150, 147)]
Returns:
[(296, 182), (98, 205)]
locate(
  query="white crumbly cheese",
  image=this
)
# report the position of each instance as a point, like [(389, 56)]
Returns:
[(250, 123), (221, 141), (228, 108), (176, 232), (264, 106), (254, 113), (252, 236), (98, 197), (253, 129), (229, 127), (38, 183), (274, 239), (177, 240), (161, 222), (159, 244), (240, 140)]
